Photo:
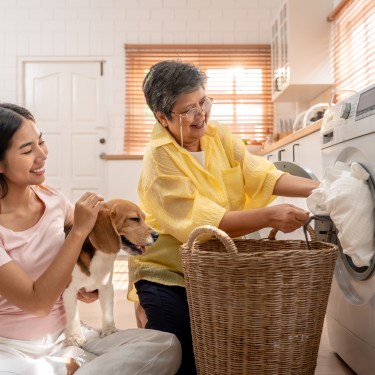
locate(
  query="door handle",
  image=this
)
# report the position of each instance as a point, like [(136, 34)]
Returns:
[(102, 140)]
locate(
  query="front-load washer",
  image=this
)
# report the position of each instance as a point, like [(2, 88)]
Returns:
[(348, 135)]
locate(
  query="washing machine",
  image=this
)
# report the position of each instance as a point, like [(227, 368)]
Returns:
[(348, 135)]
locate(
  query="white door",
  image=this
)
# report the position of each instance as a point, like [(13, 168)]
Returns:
[(68, 102)]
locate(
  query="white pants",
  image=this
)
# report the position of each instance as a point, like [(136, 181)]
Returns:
[(129, 352)]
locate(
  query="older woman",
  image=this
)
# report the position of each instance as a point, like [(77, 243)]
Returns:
[(196, 173)]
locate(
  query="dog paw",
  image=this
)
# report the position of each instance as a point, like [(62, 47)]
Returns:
[(108, 331), (75, 341)]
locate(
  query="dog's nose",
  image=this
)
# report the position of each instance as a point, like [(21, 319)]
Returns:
[(155, 235)]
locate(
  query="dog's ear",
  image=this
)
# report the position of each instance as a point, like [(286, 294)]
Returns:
[(104, 235)]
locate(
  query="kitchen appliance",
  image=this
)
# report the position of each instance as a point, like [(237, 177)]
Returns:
[(348, 135), (312, 114)]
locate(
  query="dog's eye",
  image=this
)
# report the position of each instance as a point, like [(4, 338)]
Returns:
[(137, 219)]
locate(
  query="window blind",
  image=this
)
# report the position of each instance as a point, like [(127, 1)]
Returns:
[(238, 81), (353, 45)]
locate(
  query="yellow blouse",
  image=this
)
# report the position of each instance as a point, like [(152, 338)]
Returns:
[(177, 194)]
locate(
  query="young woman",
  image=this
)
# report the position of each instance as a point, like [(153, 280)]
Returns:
[(36, 262), (196, 173)]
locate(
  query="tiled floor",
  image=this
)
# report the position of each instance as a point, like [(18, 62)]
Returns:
[(328, 362)]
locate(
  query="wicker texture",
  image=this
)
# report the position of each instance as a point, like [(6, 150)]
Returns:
[(256, 306)]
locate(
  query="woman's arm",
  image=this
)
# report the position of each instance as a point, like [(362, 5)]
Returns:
[(284, 217), (37, 297), (292, 186)]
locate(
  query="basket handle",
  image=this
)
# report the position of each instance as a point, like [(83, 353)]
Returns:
[(218, 233), (272, 234)]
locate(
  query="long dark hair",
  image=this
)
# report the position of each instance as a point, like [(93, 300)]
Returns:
[(11, 119)]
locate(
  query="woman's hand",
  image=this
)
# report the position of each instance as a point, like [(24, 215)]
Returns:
[(86, 211), (287, 217), (71, 366), (87, 297)]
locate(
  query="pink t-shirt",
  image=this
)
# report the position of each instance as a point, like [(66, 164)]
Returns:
[(34, 250)]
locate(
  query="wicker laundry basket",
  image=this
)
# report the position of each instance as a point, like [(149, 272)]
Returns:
[(256, 306)]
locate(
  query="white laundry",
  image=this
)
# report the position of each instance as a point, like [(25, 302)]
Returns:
[(345, 196)]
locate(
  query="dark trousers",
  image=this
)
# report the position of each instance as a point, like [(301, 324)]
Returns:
[(167, 310)]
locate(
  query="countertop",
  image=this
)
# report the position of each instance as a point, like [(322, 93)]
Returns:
[(292, 137)]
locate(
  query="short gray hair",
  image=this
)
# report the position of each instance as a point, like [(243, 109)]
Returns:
[(167, 81)]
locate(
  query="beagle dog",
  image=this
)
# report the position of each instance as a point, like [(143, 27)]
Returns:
[(120, 225)]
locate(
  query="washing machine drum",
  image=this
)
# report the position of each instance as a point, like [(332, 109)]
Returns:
[(360, 273), (353, 280)]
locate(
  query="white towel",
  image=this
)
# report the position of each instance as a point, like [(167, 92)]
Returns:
[(345, 196)]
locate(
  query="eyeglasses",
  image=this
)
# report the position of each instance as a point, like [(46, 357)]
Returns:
[(192, 113)]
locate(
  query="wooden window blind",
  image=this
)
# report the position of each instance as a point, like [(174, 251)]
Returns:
[(238, 81), (353, 45)]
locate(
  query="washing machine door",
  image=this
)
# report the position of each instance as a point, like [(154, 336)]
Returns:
[(295, 169), (357, 283)]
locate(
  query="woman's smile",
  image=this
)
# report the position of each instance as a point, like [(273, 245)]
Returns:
[(38, 171), (198, 126)]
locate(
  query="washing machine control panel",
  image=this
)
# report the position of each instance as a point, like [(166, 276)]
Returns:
[(350, 118)]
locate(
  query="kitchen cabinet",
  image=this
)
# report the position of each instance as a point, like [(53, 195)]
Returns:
[(300, 50), (304, 151)]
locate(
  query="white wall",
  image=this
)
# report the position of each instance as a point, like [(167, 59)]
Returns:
[(100, 28), (122, 179)]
